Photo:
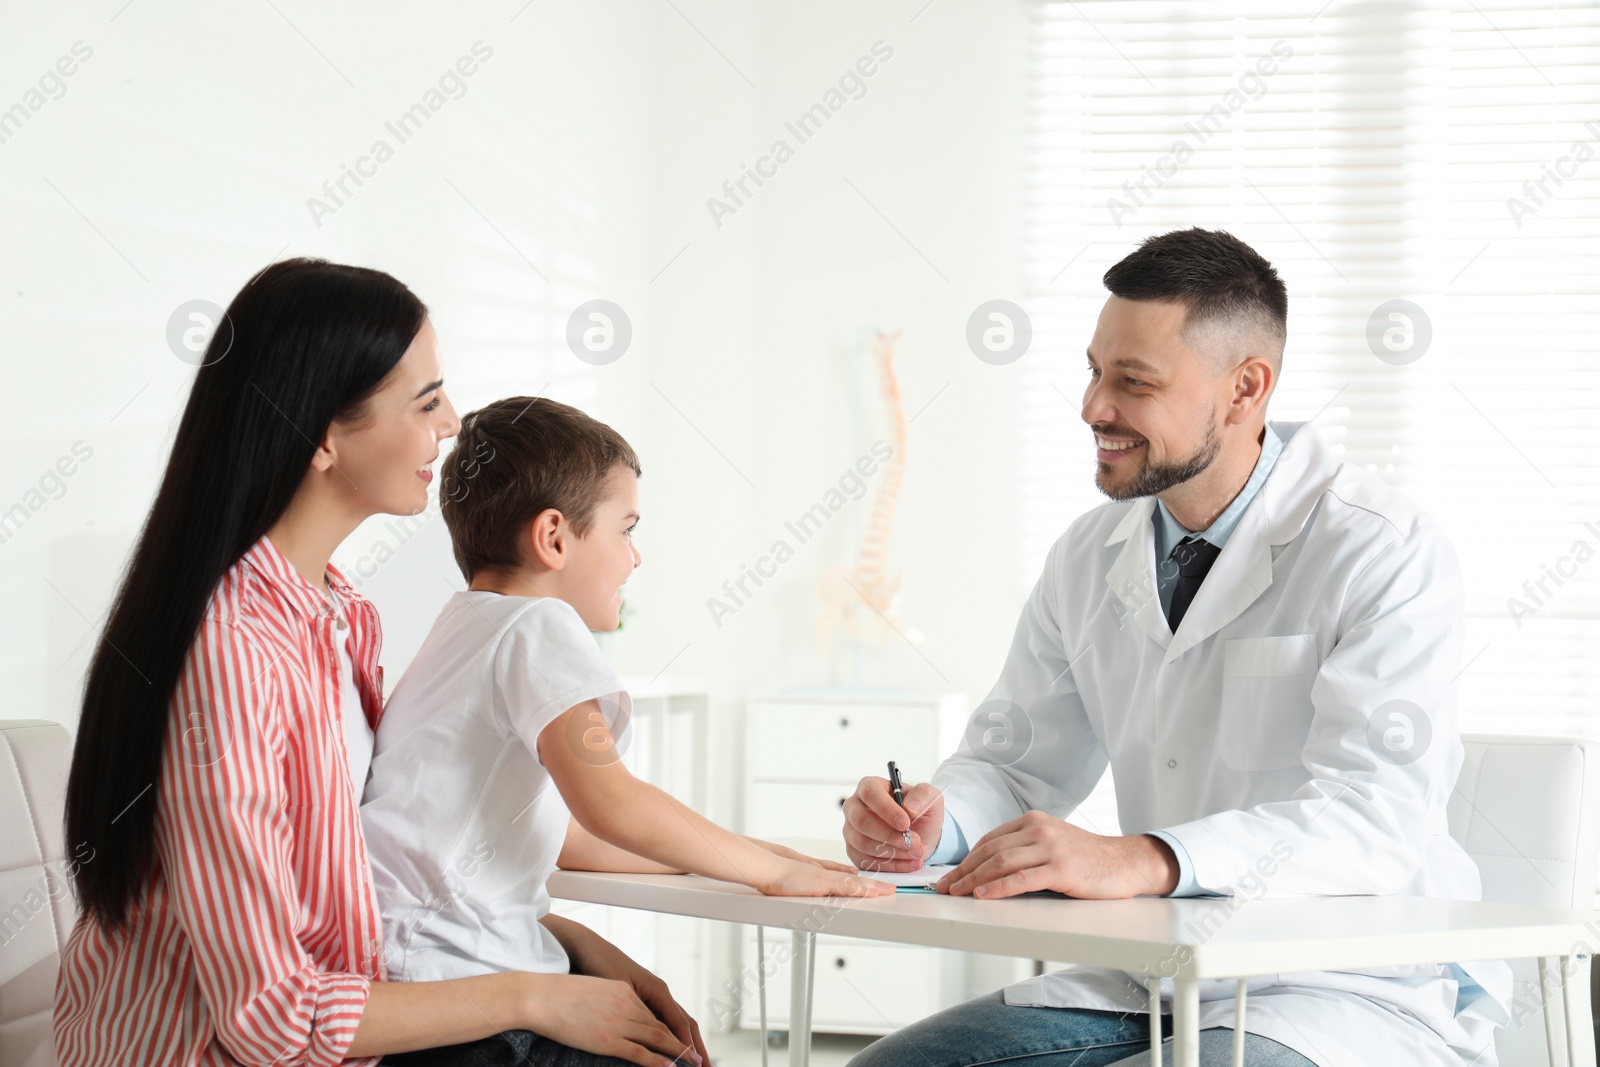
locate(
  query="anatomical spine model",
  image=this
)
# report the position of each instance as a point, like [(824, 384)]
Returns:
[(863, 601)]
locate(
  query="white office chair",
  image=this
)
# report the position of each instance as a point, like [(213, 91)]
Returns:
[(36, 909), (1527, 809)]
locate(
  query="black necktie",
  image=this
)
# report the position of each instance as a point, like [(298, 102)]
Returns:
[(1194, 558)]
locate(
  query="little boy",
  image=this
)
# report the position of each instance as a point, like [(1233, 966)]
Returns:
[(506, 721)]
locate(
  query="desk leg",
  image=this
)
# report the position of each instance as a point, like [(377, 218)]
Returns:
[(1240, 993), (1554, 1037), (1186, 1023), (800, 977), (1153, 986), (761, 986), (1580, 1032), (811, 987)]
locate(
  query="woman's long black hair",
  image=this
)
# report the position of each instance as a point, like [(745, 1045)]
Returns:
[(304, 343)]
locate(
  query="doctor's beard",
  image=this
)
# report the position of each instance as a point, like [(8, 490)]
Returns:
[(1153, 478)]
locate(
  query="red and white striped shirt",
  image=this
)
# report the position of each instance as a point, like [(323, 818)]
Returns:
[(259, 935)]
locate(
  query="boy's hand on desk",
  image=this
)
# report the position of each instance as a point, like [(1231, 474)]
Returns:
[(637, 817), (800, 857), (796, 878), (875, 826), (1039, 851)]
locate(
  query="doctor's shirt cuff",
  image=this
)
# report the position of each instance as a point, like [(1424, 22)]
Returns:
[(952, 843), (1187, 886)]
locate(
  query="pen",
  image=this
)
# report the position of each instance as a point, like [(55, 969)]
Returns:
[(899, 793)]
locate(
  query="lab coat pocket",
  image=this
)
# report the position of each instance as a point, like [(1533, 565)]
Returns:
[(1266, 701)]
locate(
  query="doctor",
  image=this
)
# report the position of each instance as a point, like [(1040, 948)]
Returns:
[(1262, 642)]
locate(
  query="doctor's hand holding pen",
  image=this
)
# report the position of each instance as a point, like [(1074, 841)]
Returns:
[(876, 828)]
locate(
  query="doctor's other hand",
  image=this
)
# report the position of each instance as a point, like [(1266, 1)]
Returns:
[(800, 857), (875, 826), (1039, 851)]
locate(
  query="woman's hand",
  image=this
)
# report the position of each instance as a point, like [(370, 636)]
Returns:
[(596, 957), (604, 1016), (800, 857), (808, 878)]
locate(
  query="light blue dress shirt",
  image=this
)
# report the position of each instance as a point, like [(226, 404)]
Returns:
[(1168, 532)]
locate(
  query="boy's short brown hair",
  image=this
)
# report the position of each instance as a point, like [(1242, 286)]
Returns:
[(518, 457)]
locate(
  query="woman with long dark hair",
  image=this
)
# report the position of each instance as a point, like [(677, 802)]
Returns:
[(227, 913)]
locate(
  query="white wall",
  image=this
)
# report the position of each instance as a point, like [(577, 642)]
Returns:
[(763, 331), (181, 159), (188, 146)]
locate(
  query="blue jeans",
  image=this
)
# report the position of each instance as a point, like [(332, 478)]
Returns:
[(514, 1048), (987, 1031)]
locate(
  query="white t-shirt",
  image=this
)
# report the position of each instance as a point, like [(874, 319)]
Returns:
[(462, 821), (357, 733)]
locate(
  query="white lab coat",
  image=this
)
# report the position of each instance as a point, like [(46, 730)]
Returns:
[(1247, 735)]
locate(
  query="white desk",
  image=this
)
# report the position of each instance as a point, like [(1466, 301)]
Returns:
[(1145, 935)]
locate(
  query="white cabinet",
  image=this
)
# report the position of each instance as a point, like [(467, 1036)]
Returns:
[(803, 758), (862, 987)]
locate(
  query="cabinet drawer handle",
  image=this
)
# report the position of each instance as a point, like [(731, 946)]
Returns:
[(842, 800), (839, 961), (845, 723)]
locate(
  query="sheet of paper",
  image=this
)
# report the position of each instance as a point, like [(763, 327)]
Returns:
[(921, 878)]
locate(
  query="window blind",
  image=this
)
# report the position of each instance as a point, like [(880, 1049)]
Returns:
[(1439, 154)]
